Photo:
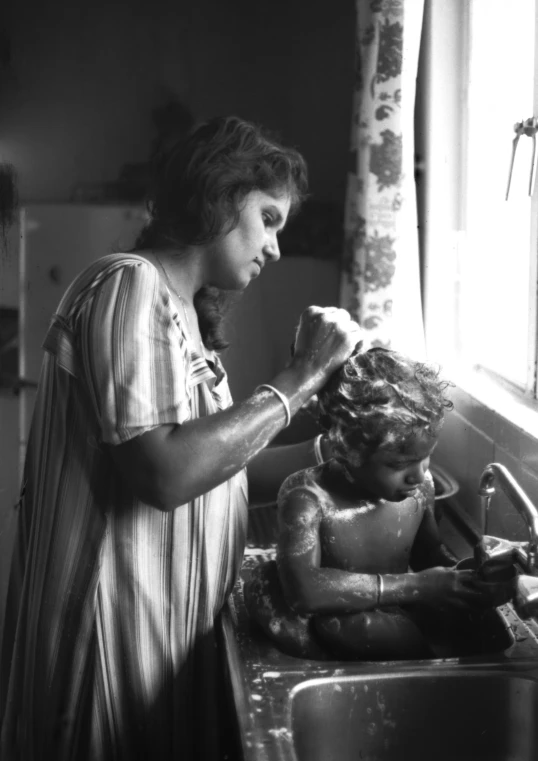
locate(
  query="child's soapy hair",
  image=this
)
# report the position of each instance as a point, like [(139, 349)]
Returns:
[(378, 399)]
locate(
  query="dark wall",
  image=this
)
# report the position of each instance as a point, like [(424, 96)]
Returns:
[(77, 93)]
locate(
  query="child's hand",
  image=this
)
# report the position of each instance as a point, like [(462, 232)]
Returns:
[(441, 587)]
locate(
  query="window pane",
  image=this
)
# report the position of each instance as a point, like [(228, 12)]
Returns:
[(495, 266)]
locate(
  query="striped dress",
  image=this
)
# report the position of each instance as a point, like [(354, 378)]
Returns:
[(109, 650)]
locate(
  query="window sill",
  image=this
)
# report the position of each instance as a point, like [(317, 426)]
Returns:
[(505, 403)]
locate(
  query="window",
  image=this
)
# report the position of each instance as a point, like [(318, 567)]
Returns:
[(481, 295), (497, 267)]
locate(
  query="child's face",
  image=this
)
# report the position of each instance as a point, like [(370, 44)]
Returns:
[(394, 474)]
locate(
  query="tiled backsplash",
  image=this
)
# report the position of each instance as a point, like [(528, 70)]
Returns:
[(472, 437)]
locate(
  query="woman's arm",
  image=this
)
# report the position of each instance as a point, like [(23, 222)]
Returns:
[(172, 464)]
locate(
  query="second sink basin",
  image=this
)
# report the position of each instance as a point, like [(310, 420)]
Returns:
[(421, 716)]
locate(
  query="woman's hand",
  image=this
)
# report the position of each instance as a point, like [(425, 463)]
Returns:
[(325, 338), (442, 587)]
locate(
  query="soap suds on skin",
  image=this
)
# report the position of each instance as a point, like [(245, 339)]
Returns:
[(303, 506)]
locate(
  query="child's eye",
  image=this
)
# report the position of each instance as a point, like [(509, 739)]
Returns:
[(267, 219)]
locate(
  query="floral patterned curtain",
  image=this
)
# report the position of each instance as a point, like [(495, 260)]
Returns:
[(381, 278)]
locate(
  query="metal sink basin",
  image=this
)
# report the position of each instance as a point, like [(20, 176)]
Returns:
[(476, 701), (419, 715)]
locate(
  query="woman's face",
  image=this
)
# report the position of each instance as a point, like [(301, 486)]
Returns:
[(234, 260)]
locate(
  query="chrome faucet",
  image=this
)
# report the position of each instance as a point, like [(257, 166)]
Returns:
[(492, 550)]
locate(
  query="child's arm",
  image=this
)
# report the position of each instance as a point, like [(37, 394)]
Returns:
[(309, 588), (428, 550)]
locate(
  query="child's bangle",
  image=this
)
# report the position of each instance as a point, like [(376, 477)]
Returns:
[(282, 398), (380, 588), (317, 450)]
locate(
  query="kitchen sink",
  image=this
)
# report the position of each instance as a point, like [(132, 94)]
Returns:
[(477, 700), (420, 716)]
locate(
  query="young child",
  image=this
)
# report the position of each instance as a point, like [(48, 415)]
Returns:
[(361, 572)]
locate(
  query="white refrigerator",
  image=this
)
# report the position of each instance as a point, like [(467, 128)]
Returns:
[(51, 244), (46, 248)]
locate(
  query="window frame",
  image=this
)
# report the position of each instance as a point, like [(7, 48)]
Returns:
[(443, 123), (529, 389)]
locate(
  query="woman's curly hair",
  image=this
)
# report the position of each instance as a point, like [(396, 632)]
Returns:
[(198, 186), (200, 181), (377, 400)]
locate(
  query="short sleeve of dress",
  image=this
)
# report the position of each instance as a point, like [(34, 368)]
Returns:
[(135, 360)]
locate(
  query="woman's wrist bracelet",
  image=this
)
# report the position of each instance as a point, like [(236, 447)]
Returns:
[(282, 398), (317, 450), (380, 588)]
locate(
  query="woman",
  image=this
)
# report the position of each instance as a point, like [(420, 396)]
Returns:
[(133, 507)]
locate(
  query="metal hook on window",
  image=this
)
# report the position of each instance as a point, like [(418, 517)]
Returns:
[(529, 127), (518, 129)]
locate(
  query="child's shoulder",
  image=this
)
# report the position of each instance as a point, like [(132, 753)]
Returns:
[(428, 482), (426, 490), (304, 482)]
